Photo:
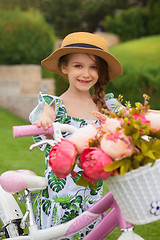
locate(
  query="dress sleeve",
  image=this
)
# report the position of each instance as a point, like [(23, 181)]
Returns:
[(112, 103), (43, 98)]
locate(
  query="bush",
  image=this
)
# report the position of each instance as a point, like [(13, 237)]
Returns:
[(154, 17), (128, 24), (135, 82), (25, 37)]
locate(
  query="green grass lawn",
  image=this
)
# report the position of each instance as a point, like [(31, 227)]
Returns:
[(140, 53), (15, 154), (140, 62)]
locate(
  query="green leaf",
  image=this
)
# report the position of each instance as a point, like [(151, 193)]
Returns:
[(125, 167), (137, 143), (138, 158), (56, 183), (138, 105), (48, 99), (114, 165), (45, 193), (92, 186), (46, 206), (136, 162), (136, 135), (84, 182), (150, 155), (55, 216), (155, 135), (146, 160), (157, 155), (144, 147), (69, 215), (156, 145)]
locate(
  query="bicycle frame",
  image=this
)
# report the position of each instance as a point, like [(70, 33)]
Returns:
[(109, 221)]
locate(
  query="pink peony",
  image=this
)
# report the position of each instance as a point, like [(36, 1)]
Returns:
[(62, 158), (82, 137), (117, 145), (154, 118), (111, 125), (93, 161), (142, 117)]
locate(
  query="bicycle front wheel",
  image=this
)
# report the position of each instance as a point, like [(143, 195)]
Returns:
[(10, 216)]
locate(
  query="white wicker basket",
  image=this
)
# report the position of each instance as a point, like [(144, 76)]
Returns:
[(138, 193)]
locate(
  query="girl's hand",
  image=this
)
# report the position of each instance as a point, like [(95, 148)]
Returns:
[(46, 119)]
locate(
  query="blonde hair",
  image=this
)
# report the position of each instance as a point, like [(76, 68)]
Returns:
[(98, 93)]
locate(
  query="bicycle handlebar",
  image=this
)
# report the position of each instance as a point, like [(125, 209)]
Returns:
[(31, 130)]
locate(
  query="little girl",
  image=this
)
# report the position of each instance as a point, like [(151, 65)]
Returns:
[(85, 61)]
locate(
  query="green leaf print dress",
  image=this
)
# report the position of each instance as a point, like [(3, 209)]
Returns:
[(63, 200)]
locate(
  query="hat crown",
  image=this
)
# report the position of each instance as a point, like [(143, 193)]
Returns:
[(85, 38)]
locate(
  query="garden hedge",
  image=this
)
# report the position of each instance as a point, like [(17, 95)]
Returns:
[(25, 37)]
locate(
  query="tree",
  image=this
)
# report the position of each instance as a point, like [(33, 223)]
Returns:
[(64, 15), (67, 16), (154, 17)]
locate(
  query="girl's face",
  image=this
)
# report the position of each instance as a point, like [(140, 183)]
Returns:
[(81, 70)]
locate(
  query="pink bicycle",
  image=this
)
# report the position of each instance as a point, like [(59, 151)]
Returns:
[(14, 222)]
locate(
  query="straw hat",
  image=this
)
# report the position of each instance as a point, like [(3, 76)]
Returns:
[(83, 42)]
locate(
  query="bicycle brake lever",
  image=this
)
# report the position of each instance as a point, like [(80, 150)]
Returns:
[(46, 141)]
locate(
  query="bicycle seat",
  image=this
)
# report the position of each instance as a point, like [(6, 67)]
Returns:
[(17, 180)]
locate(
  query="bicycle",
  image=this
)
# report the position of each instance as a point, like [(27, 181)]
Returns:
[(14, 222)]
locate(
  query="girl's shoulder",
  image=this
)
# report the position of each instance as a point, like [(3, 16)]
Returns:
[(48, 99), (112, 103), (109, 96)]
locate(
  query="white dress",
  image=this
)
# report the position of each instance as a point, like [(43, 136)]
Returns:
[(63, 200)]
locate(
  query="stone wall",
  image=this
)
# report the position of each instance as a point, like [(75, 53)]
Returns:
[(111, 38), (19, 88)]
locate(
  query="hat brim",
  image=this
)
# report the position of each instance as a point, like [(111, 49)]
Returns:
[(51, 62)]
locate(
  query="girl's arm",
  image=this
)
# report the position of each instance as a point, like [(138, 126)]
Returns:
[(154, 111), (154, 117), (47, 117)]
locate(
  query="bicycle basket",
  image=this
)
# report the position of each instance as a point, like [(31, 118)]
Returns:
[(138, 193)]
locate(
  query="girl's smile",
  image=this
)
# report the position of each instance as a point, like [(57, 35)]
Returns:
[(84, 81)]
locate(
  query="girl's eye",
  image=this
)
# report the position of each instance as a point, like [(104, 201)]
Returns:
[(78, 66), (94, 67)]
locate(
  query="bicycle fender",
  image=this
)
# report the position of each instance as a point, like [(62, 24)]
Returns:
[(9, 207)]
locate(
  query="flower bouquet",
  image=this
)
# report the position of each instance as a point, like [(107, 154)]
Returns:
[(123, 150)]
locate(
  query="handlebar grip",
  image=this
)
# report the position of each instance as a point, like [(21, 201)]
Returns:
[(30, 130)]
